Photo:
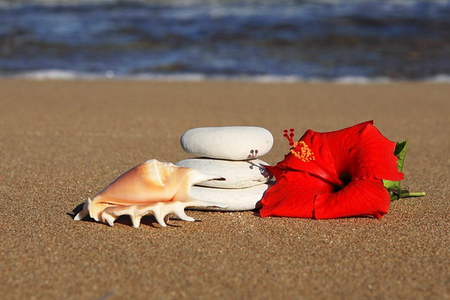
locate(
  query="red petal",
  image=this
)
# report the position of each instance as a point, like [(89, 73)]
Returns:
[(323, 164), (358, 198), (360, 151), (363, 152), (293, 195)]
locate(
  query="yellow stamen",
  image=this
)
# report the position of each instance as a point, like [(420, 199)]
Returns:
[(302, 151)]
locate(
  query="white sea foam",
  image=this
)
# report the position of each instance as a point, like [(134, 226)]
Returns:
[(361, 80), (49, 75), (441, 78), (197, 77)]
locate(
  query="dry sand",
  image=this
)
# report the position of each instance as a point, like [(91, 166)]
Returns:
[(62, 141)]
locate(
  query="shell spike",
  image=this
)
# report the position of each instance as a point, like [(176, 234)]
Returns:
[(160, 216), (179, 211), (84, 212), (81, 215), (90, 207), (136, 220), (160, 220), (108, 218)]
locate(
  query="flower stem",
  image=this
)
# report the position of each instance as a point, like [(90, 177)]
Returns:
[(408, 194)]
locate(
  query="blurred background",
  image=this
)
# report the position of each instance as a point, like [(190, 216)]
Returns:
[(268, 40)]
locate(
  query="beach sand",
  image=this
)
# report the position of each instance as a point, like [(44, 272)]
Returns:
[(63, 141)]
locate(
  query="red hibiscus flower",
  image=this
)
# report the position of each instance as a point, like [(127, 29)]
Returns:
[(333, 174)]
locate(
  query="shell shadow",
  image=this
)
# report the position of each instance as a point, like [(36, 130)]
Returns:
[(75, 211)]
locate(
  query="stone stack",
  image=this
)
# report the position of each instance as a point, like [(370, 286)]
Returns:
[(231, 153)]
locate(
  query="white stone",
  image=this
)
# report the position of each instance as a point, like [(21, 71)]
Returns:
[(231, 199), (237, 174), (229, 142)]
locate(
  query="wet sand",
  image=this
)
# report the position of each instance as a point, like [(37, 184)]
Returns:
[(62, 141)]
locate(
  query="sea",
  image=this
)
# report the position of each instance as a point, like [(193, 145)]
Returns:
[(254, 40)]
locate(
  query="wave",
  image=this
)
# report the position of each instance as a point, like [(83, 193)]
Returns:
[(289, 40), (196, 77), (209, 2)]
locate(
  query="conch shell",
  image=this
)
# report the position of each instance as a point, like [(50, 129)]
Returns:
[(151, 188)]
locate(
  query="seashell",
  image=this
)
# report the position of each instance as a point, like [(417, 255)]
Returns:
[(151, 188)]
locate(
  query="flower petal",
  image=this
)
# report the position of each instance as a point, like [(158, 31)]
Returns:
[(293, 195), (360, 151), (320, 163), (358, 198), (363, 152)]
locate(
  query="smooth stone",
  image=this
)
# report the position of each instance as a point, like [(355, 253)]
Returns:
[(232, 199), (237, 174), (228, 142)]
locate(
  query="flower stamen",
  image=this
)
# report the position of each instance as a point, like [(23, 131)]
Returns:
[(299, 149), (302, 151), (289, 135)]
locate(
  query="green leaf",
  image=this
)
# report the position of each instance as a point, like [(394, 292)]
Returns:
[(395, 187), (400, 152)]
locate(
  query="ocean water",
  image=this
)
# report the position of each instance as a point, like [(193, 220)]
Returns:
[(362, 41)]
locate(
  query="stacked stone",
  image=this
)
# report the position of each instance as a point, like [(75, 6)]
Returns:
[(231, 153)]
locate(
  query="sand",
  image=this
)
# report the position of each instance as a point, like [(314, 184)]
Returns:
[(62, 141)]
